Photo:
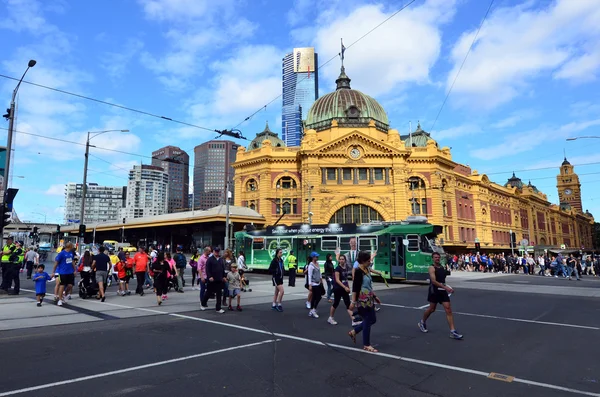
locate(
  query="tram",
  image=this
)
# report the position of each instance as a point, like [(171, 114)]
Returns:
[(403, 248)]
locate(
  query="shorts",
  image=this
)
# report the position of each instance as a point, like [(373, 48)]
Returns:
[(338, 295), (438, 296), (124, 279), (277, 281), (234, 292), (101, 276), (67, 279)]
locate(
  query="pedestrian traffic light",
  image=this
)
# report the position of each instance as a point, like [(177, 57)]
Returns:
[(6, 213), (478, 247), (81, 230)]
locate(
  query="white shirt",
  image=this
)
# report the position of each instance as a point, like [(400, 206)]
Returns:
[(241, 262)]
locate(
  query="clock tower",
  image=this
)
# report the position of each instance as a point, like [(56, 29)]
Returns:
[(569, 188)]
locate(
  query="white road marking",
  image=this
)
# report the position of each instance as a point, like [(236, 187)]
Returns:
[(423, 307), (130, 369), (521, 320)]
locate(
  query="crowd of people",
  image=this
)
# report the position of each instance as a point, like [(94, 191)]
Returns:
[(565, 265)]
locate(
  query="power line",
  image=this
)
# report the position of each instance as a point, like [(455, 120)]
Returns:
[(539, 169), (331, 59), (112, 104), (461, 66)]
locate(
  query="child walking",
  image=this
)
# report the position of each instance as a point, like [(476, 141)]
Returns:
[(40, 279), (235, 285)]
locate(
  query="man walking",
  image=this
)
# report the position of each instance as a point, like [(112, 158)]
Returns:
[(292, 263), (215, 274), (64, 266), (101, 264), (31, 260), (6, 264), (180, 263), (140, 260)]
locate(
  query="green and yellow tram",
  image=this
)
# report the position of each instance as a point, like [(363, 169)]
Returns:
[(403, 248)]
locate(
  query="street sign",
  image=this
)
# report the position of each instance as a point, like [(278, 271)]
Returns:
[(524, 242), (2, 159), (563, 247)]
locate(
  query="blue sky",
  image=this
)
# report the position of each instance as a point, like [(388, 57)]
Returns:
[(530, 81)]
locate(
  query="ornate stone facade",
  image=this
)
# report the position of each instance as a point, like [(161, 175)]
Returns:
[(363, 171)]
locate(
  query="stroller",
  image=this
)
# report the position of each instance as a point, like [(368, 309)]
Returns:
[(88, 287)]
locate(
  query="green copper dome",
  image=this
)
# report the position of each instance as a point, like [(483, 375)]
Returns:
[(266, 134), (350, 108)]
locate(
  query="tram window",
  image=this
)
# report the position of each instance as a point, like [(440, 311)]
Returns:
[(258, 244), (425, 246), (345, 243), (413, 243), (367, 243), (329, 243)]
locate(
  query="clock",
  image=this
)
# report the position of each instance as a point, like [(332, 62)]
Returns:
[(568, 191), (354, 153)]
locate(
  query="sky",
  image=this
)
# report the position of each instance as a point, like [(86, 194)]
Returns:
[(529, 82)]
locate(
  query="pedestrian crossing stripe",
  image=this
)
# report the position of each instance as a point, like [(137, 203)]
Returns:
[(502, 377)]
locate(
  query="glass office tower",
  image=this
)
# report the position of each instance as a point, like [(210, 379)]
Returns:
[(300, 86)]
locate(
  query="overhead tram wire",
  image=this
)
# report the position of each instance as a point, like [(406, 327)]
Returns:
[(461, 67), (264, 107), (112, 104)]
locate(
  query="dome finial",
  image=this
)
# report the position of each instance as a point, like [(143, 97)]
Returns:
[(343, 81), (267, 126)]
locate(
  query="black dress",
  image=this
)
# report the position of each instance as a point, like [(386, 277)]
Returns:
[(160, 277)]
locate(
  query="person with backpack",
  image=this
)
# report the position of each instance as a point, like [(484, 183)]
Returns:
[(180, 264), (194, 266)]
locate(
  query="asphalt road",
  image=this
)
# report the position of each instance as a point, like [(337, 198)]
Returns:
[(547, 343)]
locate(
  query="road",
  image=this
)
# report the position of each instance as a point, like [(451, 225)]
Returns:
[(541, 343)]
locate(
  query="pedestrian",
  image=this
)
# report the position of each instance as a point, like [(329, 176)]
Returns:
[(315, 284), (140, 263), (180, 263), (234, 282), (40, 278), (113, 274), (171, 274), (64, 269), (228, 260), (194, 266), (276, 271), (328, 269), (341, 290), (438, 293), (202, 279), (364, 298), (160, 268), (16, 259), (241, 263), (215, 271), (30, 261), (292, 262), (100, 264)]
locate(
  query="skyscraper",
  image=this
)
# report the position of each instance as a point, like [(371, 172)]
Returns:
[(176, 163), (147, 192), (300, 84), (102, 203), (212, 170)]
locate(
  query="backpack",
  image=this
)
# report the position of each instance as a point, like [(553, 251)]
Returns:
[(180, 260)]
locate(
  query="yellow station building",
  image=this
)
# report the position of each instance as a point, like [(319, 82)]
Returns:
[(352, 167)]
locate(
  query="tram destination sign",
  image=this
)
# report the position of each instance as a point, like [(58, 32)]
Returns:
[(333, 228)]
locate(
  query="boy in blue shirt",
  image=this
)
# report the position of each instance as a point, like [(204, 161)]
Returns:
[(40, 279)]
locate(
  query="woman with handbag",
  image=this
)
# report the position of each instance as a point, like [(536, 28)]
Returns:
[(364, 298), (315, 284)]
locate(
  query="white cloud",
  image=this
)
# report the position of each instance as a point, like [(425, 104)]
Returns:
[(584, 108), (56, 190), (116, 63), (528, 140), (515, 118), (457, 132), (402, 50), (518, 44)]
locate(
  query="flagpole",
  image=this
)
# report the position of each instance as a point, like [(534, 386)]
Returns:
[(410, 132)]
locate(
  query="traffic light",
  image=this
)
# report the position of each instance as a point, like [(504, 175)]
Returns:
[(35, 230), (81, 230), (6, 214), (57, 228), (513, 240), (477, 247)]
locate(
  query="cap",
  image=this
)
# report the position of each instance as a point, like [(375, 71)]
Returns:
[(313, 254), (216, 249)]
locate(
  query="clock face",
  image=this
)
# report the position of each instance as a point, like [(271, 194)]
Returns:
[(568, 191), (355, 153)]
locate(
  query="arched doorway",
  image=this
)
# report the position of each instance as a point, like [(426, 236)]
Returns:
[(356, 213)]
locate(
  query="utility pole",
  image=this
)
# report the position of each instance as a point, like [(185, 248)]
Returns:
[(227, 217), (310, 200)]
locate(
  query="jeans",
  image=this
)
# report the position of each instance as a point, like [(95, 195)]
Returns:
[(148, 280), (542, 268), (571, 270), (560, 268), (329, 287), (29, 266), (368, 319), (215, 287), (181, 281), (202, 289)]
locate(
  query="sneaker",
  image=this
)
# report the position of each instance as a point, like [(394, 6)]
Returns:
[(221, 311), (55, 298), (310, 313), (308, 305), (377, 308), (60, 302), (128, 293), (455, 335), (356, 323), (239, 308), (230, 308), (313, 314), (103, 299), (423, 326), (203, 308), (274, 307), (69, 297), (279, 308), (331, 321), (39, 304)]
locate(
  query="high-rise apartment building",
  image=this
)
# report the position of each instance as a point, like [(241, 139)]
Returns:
[(300, 85), (147, 192), (102, 203), (176, 163), (212, 170)]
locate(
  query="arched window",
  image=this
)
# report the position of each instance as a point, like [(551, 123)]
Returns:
[(286, 182), (252, 206), (251, 185), (415, 183), (356, 213)]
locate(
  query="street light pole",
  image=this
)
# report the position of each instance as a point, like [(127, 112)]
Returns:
[(227, 217), (583, 137), (11, 124)]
